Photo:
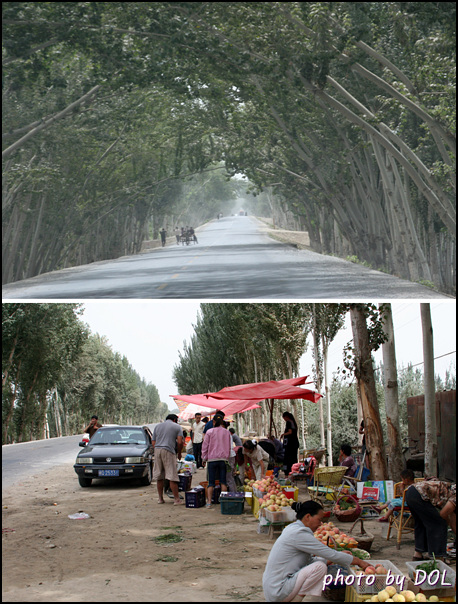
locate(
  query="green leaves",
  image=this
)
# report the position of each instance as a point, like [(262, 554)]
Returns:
[(248, 84), (57, 374)]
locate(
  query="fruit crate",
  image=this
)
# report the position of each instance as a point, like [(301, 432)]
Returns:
[(352, 596), (380, 580), (195, 498), (185, 481), (449, 577), (232, 503), (286, 514)]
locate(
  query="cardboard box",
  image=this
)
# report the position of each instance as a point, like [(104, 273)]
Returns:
[(386, 489)]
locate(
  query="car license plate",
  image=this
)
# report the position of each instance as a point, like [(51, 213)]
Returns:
[(108, 472)]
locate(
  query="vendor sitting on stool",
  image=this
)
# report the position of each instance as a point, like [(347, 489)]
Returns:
[(345, 459), (297, 562)]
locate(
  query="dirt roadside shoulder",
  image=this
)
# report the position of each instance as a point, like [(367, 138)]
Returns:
[(113, 555)]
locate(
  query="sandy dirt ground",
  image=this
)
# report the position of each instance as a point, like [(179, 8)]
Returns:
[(113, 556)]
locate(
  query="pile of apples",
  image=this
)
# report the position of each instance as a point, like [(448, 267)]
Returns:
[(378, 569), (330, 530), (274, 499), (389, 594)]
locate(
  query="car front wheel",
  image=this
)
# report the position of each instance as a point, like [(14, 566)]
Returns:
[(146, 480), (84, 482)]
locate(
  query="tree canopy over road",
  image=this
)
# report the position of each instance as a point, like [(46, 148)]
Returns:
[(120, 117)]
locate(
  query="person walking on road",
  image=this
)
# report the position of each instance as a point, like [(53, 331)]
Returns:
[(163, 234), (168, 444)]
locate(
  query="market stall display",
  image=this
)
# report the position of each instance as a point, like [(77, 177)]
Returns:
[(433, 577), (340, 540), (389, 594), (347, 509), (379, 568)]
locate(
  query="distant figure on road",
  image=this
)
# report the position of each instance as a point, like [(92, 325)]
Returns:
[(163, 233), (192, 234), (177, 235), (93, 426)]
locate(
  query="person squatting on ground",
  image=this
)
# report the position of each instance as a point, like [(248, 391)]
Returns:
[(297, 562)]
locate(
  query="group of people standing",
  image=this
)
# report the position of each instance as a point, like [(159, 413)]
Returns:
[(218, 448)]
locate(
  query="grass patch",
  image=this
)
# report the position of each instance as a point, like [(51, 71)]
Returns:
[(168, 539)]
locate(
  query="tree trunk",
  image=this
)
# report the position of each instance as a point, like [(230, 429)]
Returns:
[(364, 374), (328, 403), (316, 344), (430, 394), (390, 383)]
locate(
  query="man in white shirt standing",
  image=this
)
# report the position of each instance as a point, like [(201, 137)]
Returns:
[(197, 438)]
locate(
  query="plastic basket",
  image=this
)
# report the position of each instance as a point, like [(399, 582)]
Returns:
[(195, 498), (232, 503), (380, 580), (185, 482), (449, 577), (286, 514)]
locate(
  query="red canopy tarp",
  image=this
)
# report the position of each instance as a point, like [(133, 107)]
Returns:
[(228, 405), (282, 389)]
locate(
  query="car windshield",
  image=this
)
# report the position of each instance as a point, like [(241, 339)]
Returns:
[(119, 436)]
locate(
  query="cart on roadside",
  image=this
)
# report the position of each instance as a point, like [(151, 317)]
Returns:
[(188, 236)]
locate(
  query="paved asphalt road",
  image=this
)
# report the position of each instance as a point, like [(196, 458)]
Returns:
[(233, 259), (31, 458), (28, 459)]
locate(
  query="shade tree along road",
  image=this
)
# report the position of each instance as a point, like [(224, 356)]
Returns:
[(234, 259)]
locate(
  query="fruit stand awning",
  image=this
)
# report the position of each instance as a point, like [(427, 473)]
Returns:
[(189, 410), (283, 389), (229, 405)]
